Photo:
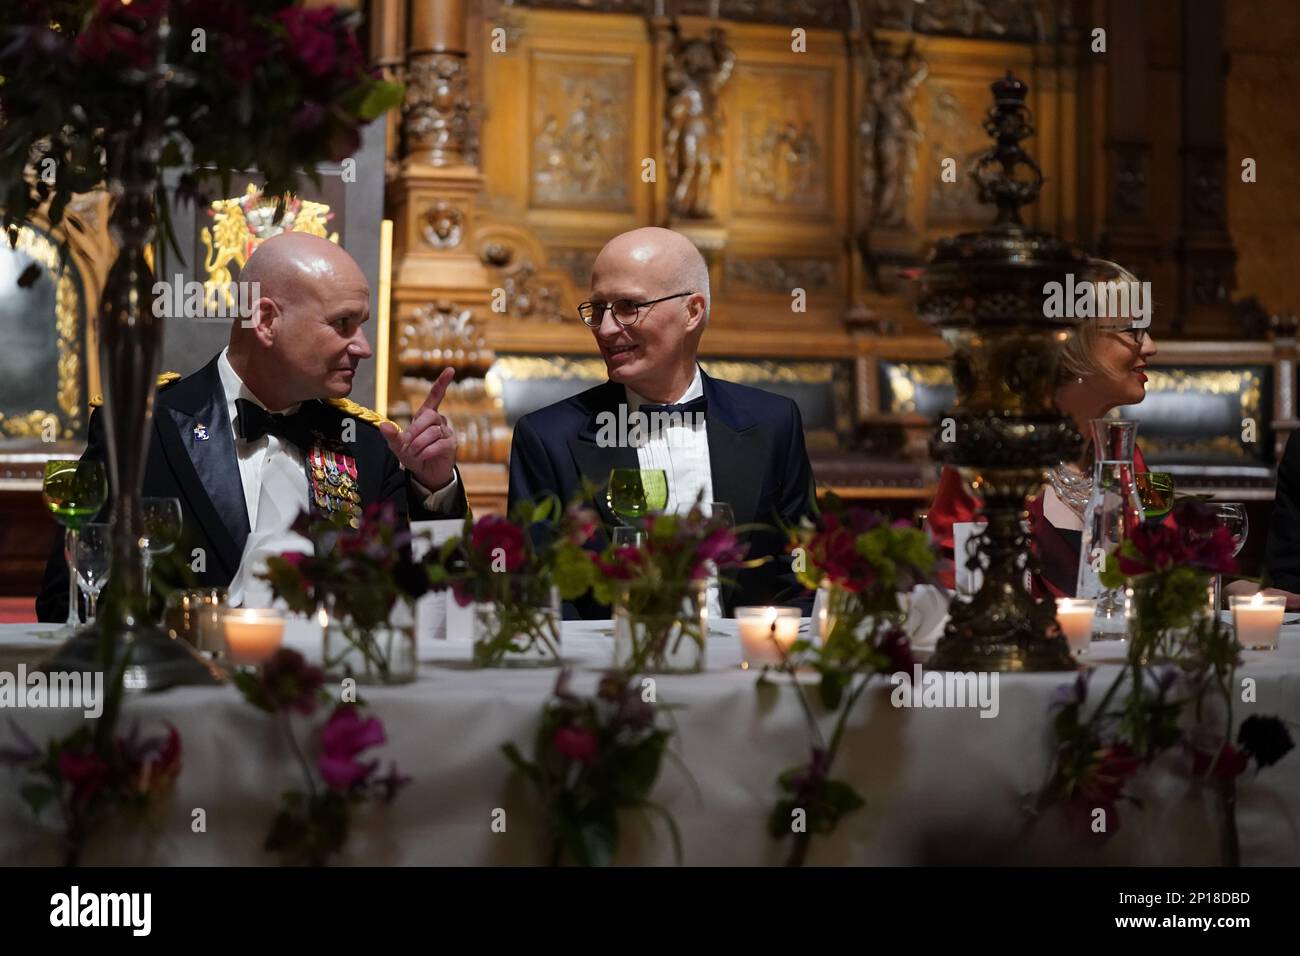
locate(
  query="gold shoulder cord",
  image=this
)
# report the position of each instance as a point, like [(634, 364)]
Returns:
[(349, 407), (165, 379)]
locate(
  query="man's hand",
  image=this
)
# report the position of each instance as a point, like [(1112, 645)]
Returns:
[(427, 449)]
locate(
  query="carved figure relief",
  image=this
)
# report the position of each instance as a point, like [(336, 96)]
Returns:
[(889, 132), (695, 73), (580, 147)]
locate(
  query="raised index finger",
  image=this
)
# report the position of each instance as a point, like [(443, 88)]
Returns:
[(439, 389)]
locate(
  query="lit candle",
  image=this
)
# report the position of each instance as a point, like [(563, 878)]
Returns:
[(252, 634), (1074, 618), (766, 632), (1258, 619)]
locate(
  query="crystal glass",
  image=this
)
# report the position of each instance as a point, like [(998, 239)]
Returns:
[(1112, 512), (94, 551), (384, 654), (74, 491), (660, 628), (1230, 515), (1156, 492), (637, 492), (162, 531), (516, 621), (628, 537)]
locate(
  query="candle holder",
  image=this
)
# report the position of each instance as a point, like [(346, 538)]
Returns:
[(984, 293), (252, 635), (766, 633), (1257, 620), (1074, 618)]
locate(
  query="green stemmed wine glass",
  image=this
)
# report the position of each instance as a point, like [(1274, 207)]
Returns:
[(74, 491), (637, 492), (1156, 491)]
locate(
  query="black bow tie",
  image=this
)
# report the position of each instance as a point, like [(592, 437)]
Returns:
[(696, 406), (254, 421)]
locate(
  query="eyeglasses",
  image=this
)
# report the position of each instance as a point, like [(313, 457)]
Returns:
[(626, 312), (1138, 335)]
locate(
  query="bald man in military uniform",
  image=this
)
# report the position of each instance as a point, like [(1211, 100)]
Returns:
[(265, 429)]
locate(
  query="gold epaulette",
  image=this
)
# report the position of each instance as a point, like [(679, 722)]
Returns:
[(349, 407), (165, 379)]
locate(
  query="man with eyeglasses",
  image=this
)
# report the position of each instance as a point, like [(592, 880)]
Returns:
[(724, 442)]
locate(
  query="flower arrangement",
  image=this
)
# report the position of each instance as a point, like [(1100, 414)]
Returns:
[(312, 824), (92, 774), (1185, 704), (359, 576), (863, 563), (507, 568), (250, 84), (593, 757), (658, 589)]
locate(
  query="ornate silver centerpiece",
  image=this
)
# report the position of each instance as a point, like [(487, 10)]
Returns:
[(983, 292)]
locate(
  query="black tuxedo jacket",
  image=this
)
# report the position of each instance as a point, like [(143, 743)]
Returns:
[(757, 458), (1282, 552), (204, 475)]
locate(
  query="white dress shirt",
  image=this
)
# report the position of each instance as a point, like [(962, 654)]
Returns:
[(682, 450)]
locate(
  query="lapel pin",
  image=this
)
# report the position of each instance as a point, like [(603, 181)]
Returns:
[(200, 432)]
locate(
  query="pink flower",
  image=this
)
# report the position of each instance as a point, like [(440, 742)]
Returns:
[(344, 736), (1230, 764), (575, 743), (311, 38), (722, 548)]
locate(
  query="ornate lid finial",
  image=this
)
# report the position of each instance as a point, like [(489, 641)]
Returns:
[(1008, 123)]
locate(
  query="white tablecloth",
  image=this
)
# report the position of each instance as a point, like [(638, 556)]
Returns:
[(940, 785)]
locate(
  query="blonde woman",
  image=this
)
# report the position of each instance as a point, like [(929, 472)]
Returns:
[(1102, 367)]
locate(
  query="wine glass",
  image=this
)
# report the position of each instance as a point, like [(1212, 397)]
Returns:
[(74, 491), (162, 530), (1230, 515), (1156, 491), (94, 551), (636, 492)]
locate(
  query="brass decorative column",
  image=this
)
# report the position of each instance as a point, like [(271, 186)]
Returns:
[(984, 292)]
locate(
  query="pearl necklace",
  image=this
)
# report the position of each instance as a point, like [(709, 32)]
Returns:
[(1073, 487)]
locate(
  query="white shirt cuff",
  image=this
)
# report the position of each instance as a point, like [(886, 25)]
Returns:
[(434, 500)]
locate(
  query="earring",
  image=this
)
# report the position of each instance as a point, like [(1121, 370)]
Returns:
[(1079, 380)]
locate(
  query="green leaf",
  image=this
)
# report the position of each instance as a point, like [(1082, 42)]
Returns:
[(379, 99), (831, 689), (36, 795)]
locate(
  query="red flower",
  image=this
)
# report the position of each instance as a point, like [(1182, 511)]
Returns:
[(1100, 786), (575, 743), (86, 773), (582, 523), (344, 736), (1231, 763), (319, 44), (288, 681), (624, 566), (493, 532), (895, 646)]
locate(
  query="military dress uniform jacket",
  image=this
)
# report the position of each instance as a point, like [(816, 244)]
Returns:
[(192, 457)]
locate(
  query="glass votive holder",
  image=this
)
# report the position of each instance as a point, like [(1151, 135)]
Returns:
[(194, 616), (252, 635), (1074, 617), (766, 633), (1257, 619)]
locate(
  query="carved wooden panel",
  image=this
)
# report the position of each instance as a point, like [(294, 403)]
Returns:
[(578, 143), (783, 146)]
